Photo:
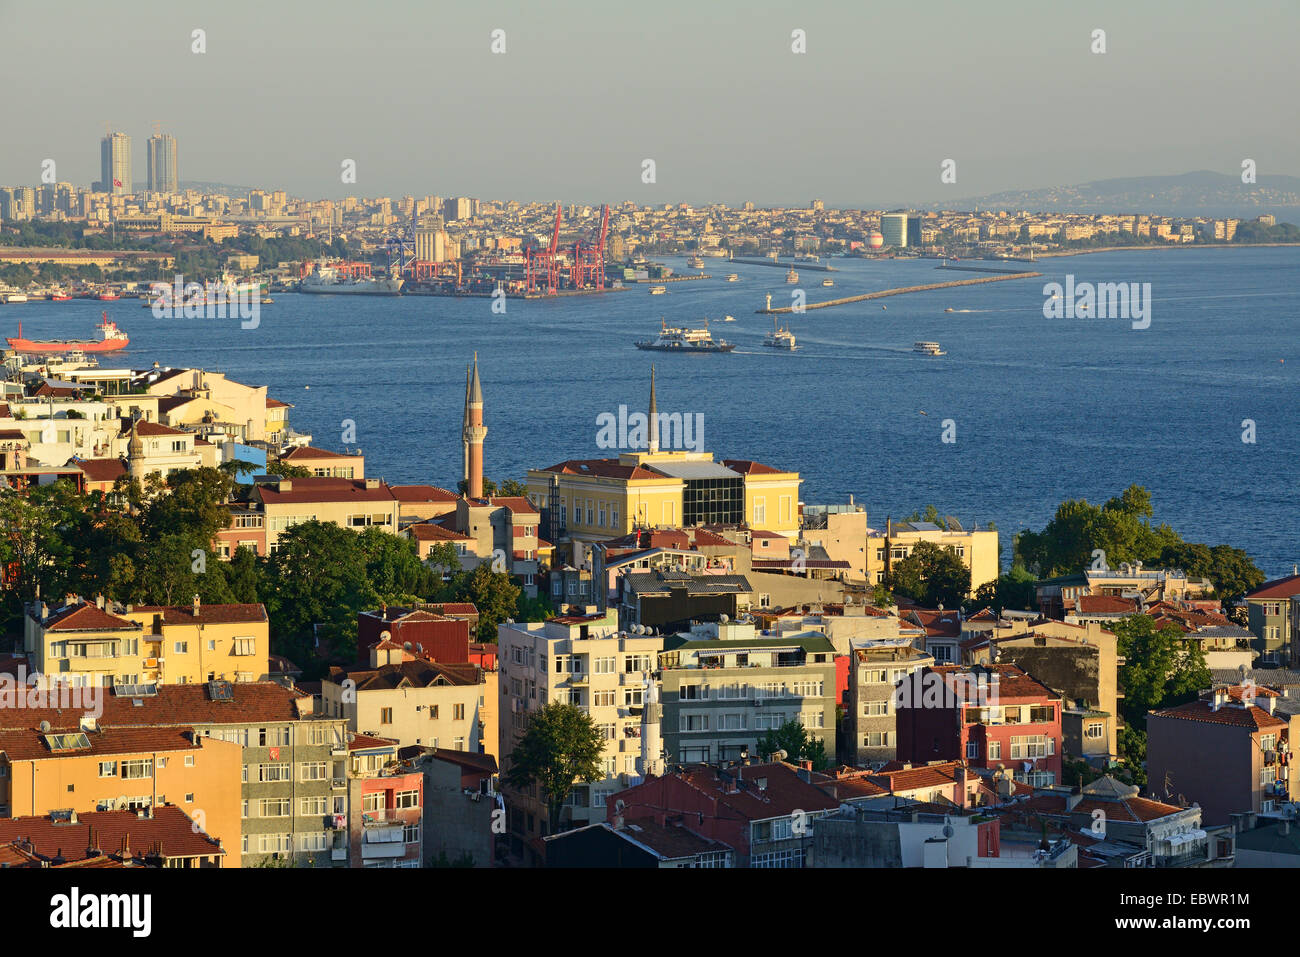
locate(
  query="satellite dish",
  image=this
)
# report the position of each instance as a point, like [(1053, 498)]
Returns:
[(385, 635), (45, 727), (947, 830), (723, 619), (782, 754)]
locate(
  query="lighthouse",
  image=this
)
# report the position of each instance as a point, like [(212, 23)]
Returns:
[(651, 740)]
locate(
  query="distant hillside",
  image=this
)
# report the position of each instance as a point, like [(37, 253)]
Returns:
[(1202, 193)]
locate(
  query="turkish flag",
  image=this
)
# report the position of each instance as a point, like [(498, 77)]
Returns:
[(275, 754), (117, 182)]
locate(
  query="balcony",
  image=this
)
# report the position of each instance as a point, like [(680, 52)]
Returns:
[(339, 854), (339, 784)]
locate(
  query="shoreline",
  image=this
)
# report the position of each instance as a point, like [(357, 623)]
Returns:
[(1170, 246)]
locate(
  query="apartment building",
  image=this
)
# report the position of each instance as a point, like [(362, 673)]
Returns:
[(288, 775), (87, 643), (1228, 752), (386, 797), (586, 661), (995, 718), (978, 549), (876, 668), (410, 699), (1269, 610), (80, 765), (162, 837), (349, 503), (321, 463), (726, 685)]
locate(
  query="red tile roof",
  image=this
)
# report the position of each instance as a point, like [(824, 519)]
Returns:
[(1105, 605), (310, 452), (87, 616), (433, 532), (514, 503), (208, 614), (169, 827), (147, 428), (1277, 588), (1253, 718), (102, 470), (785, 791), (29, 744), (603, 468), (750, 467), (303, 490), (422, 493)]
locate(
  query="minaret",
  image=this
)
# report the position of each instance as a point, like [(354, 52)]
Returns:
[(651, 742), (135, 453), (474, 434), (653, 422), (464, 428)]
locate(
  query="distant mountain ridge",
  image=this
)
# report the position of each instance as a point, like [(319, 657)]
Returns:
[(1201, 193)]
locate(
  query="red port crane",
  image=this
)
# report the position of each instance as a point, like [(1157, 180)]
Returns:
[(534, 260), (589, 260)]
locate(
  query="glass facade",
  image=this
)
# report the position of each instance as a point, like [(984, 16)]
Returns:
[(713, 501)]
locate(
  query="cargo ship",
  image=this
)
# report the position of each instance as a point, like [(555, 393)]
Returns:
[(679, 339), (328, 280), (110, 339)]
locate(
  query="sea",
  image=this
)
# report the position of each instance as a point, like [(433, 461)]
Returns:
[(1022, 412)]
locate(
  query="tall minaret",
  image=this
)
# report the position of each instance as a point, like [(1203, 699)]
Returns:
[(464, 427), (135, 453), (651, 741), (474, 434), (654, 416)]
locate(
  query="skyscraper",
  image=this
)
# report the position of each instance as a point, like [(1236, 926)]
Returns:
[(164, 176), (893, 226), (115, 163)]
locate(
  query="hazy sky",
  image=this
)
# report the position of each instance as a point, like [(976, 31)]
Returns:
[(709, 89)]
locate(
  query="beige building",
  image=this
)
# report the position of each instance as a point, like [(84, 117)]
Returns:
[(86, 643), (325, 464), (978, 550), (411, 700), (349, 503), (586, 661)]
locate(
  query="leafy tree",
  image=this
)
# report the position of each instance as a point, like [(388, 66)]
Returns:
[(560, 748), (1230, 569), (443, 557), (513, 488), (39, 529), (494, 594), (394, 568), (533, 609), (797, 743), (1068, 542), (1160, 670), (1013, 589), (931, 575), (245, 576), (285, 470), (316, 585)]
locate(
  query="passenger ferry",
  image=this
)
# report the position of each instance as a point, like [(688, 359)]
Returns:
[(928, 349), (695, 262), (732, 277), (792, 276), (658, 290), (681, 339), (780, 338), (828, 282)]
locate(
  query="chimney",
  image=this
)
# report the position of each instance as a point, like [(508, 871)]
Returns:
[(195, 606), (1270, 703)]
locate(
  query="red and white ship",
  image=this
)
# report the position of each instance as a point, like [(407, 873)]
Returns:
[(110, 339)]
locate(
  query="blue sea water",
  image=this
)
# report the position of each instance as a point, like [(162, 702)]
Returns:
[(1044, 409)]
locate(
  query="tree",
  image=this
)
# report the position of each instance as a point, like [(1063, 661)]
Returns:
[(443, 557), (494, 594), (394, 569), (316, 585), (1013, 589), (797, 743), (514, 489), (931, 575), (1161, 669), (560, 748), (284, 470), (1081, 533), (1230, 569)]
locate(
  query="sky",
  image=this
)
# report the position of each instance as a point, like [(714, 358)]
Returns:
[(710, 90)]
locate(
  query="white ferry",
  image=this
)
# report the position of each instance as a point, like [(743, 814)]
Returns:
[(928, 349), (658, 290), (780, 338), (681, 339), (792, 276)]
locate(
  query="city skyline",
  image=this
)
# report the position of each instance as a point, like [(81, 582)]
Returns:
[(284, 104)]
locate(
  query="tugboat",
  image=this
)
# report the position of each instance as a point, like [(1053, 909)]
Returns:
[(780, 338), (928, 349), (792, 276), (681, 339)]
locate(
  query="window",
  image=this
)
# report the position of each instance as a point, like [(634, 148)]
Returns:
[(1094, 730), (374, 801), (433, 712), (406, 799), (458, 712), (313, 771), (411, 833), (108, 769), (604, 666), (245, 646), (312, 806), (274, 843), (274, 772), (603, 699), (318, 841), (274, 807), (875, 709), (385, 715), (134, 770), (181, 647), (792, 858), (695, 722), (875, 739), (995, 750), (972, 749)]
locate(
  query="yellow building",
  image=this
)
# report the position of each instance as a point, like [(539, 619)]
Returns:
[(349, 503), (592, 500), (91, 644), (977, 549), (83, 767)]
